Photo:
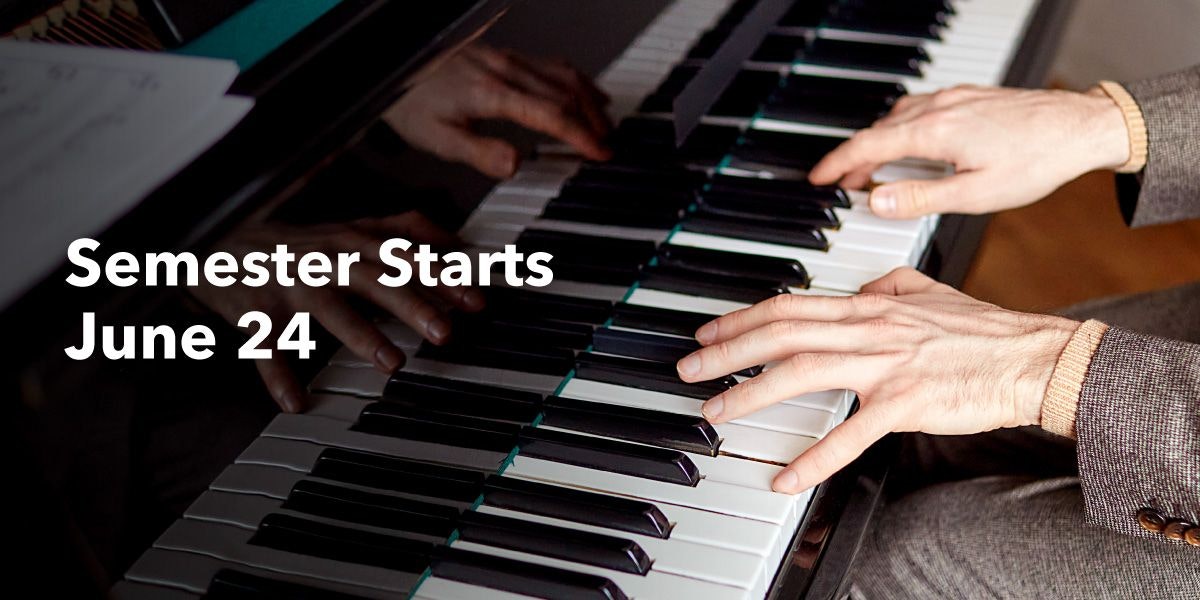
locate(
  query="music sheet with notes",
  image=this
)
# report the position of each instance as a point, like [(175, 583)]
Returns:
[(86, 133)]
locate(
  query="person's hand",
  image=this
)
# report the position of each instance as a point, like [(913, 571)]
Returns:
[(920, 355), (335, 307), (1009, 147), (551, 97)]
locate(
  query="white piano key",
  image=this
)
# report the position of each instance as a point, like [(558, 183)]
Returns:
[(436, 588), (351, 376), (848, 259)]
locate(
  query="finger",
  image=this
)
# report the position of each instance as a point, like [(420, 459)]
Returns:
[(542, 115), (837, 449), (860, 178), (361, 336), (912, 199), (406, 304), (771, 342), (872, 146), (801, 374), (901, 281), (781, 307), (281, 383)]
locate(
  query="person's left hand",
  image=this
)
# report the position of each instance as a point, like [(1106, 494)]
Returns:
[(480, 82), (920, 355)]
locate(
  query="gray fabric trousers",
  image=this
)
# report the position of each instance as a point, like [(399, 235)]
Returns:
[(1000, 514)]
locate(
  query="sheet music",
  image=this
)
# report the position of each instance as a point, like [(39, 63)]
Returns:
[(86, 133)]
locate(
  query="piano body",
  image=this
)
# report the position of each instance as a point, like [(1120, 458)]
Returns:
[(550, 452)]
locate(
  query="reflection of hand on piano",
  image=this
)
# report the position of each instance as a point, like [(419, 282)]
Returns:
[(333, 307), (484, 83), (1010, 147), (921, 355)]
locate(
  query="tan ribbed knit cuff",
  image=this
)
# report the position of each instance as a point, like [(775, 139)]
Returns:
[(1066, 382), (1134, 123)]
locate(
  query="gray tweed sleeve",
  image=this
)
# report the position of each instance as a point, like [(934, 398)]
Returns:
[(1138, 428), (1170, 184)]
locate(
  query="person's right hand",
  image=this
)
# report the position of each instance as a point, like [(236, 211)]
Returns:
[(1009, 147)]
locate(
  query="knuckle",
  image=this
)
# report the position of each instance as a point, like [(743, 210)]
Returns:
[(870, 301), (781, 306)]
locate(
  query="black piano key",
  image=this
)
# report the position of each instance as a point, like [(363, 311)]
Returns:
[(865, 56), (787, 271), (378, 510), (659, 464), (512, 301), (612, 250), (662, 320), (303, 536), (772, 210), (791, 150), (798, 86), (710, 285), (598, 550), (427, 392), (628, 194), (847, 113), (229, 584), (645, 346), (521, 577), (494, 324), (653, 141), (624, 216), (666, 178), (798, 236), (918, 24), (651, 427), (382, 418), (577, 506), (646, 375), (400, 475), (794, 190), (745, 94), (464, 487), (502, 354)]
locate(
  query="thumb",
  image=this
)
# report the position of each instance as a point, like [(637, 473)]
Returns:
[(912, 199)]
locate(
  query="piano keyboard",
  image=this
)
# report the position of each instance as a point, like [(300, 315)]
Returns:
[(551, 451)]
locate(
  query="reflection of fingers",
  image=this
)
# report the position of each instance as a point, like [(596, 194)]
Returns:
[(542, 115), (492, 157), (281, 383), (837, 449), (360, 335), (771, 342), (404, 303), (413, 226)]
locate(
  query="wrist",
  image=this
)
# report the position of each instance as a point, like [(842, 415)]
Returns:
[(1044, 345), (1108, 135)]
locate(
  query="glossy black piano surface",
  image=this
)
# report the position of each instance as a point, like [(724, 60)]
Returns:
[(107, 455)]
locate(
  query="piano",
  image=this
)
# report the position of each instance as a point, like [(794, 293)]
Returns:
[(548, 451)]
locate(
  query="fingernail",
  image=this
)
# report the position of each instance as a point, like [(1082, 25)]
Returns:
[(883, 201), (712, 409), (689, 365), (707, 333), (389, 358), (473, 300), (438, 330), (788, 482)]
